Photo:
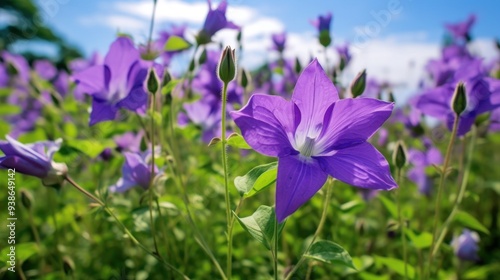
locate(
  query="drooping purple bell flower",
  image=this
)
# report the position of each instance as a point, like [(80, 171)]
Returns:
[(466, 245), (136, 171), (33, 159), (117, 84), (314, 135), (216, 20)]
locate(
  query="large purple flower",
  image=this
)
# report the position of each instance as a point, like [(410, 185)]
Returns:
[(215, 21), (315, 135), (33, 159), (465, 245), (116, 84), (136, 171)]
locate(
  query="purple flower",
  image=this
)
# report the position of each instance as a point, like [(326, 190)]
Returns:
[(4, 76), (314, 135), (19, 65), (206, 113), (279, 41), (61, 84), (129, 141), (461, 30), (322, 23), (80, 64), (466, 245), (420, 160), (116, 84), (215, 21), (344, 54), (481, 97), (136, 171), (33, 159), (45, 69)]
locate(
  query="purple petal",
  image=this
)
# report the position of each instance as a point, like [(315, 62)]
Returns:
[(24, 166), (121, 57), (297, 181), (361, 166), (102, 111), (267, 124), (122, 186), (352, 121), (93, 81), (45, 69), (436, 102), (136, 99), (313, 94)]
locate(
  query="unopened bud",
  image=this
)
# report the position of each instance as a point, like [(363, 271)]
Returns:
[(298, 67), (26, 198), (153, 81), (203, 57), (459, 100), (227, 65), (399, 155), (192, 65), (68, 265), (324, 38), (391, 97), (358, 84), (238, 37), (244, 78), (167, 77)]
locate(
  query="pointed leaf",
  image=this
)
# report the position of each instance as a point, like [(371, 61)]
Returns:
[(397, 266), (329, 252), (389, 205), (237, 141), (23, 252), (257, 179), (261, 225), (469, 221), (176, 43)]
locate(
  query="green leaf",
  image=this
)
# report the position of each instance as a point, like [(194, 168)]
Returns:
[(23, 252), (8, 109), (90, 147), (389, 205), (176, 43), (329, 252), (237, 141), (256, 179), (397, 266), (469, 221), (170, 86), (353, 206), (261, 225), (421, 241)]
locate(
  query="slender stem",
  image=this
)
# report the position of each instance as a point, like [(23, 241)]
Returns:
[(402, 222), (444, 172), (152, 25), (276, 248), (226, 184), (33, 227), (124, 228), (185, 199), (151, 179), (56, 231), (461, 192), (318, 230)]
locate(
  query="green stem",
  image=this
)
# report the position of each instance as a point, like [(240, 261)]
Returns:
[(461, 192), (444, 172), (275, 248), (124, 228), (151, 179), (401, 221), (56, 230), (226, 184), (152, 25), (318, 230)]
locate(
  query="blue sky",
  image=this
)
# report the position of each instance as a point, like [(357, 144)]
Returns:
[(83, 22), (404, 34)]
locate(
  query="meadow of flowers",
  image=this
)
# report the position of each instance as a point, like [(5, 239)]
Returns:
[(118, 167)]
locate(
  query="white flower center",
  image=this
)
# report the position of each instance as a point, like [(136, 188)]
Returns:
[(307, 148)]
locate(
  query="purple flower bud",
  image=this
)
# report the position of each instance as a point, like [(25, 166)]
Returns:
[(466, 245)]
